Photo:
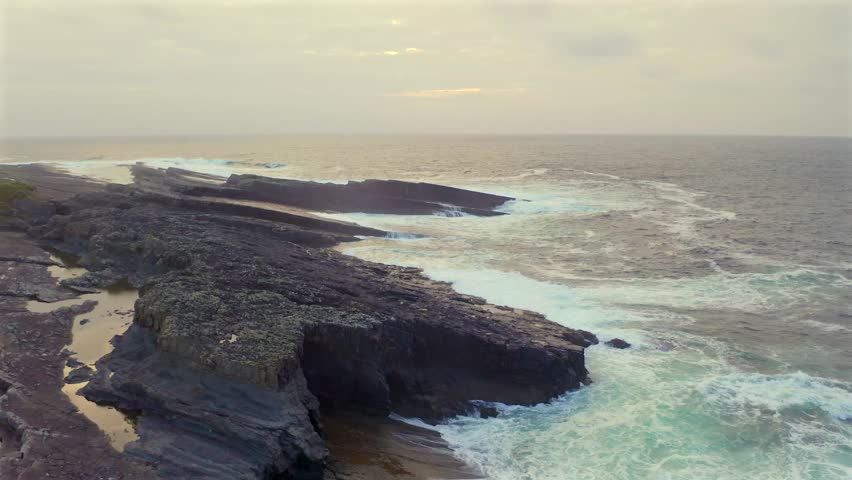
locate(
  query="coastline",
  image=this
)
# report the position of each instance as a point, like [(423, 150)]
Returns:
[(738, 326), (361, 445)]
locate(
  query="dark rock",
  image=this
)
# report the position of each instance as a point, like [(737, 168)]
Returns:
[(428, 192), (73, 363), (84, 321), (33, 260), (488, 412), (244, 325), (197, 424), (41, 433), (80, 375), (34, 211), (617, 343), (581, 337), (370, 196)]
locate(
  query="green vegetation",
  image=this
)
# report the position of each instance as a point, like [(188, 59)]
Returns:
[(10, 190)]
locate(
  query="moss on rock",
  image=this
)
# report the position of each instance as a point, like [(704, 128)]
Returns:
[(11, 190)]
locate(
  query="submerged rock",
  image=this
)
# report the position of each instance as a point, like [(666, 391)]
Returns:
[(312, 326), (73, 363), (80, 375), (618, 343), (488, 412)]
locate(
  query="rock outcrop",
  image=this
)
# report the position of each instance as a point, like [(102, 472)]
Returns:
[(247, 323), (41, 434), (369, 196), (617, 343)]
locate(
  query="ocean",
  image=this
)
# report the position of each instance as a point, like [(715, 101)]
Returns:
[(725, 261)]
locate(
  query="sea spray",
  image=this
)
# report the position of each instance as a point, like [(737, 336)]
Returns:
[(404, 236), (451, 212)]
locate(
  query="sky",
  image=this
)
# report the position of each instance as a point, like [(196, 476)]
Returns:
[(133, 67)]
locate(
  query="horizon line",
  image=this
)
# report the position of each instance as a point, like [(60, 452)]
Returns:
[(4, 137)]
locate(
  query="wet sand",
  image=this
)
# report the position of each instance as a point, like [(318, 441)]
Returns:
[(366, 448)]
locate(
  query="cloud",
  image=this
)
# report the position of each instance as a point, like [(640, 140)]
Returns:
[(659, 66), (172, 46), (527, 10), (599, 45), (342, 52), (457, 92)]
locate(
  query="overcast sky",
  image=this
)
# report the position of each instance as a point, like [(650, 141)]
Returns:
[(79, 67)]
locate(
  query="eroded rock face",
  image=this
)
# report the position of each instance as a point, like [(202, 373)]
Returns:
[(193, 423), (246, 324)]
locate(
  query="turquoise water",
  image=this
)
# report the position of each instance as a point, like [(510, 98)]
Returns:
[(676, 405), (726, 262)]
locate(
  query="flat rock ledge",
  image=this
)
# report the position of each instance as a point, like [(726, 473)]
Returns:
[(247, 323)]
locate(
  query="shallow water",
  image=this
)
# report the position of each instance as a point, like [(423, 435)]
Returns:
[(91, 335), (726, 261)]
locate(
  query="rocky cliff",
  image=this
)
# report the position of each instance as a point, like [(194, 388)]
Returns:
[(247, 323)]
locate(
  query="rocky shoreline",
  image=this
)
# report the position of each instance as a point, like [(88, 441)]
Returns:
[(247, 322), (42, 435)]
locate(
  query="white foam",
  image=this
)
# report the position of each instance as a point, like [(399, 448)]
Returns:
[(559, 303), (643, 419), (683, 213), (651, 412), (118, 171), (827, 327), (413, 421), (587, 303), (404, 236), (739, 391), (593, 174), (533, 172), (746, 291), (548, 204), (212, 166), (451, 212)]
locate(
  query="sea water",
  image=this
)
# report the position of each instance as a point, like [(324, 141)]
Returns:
[(725, 261)]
